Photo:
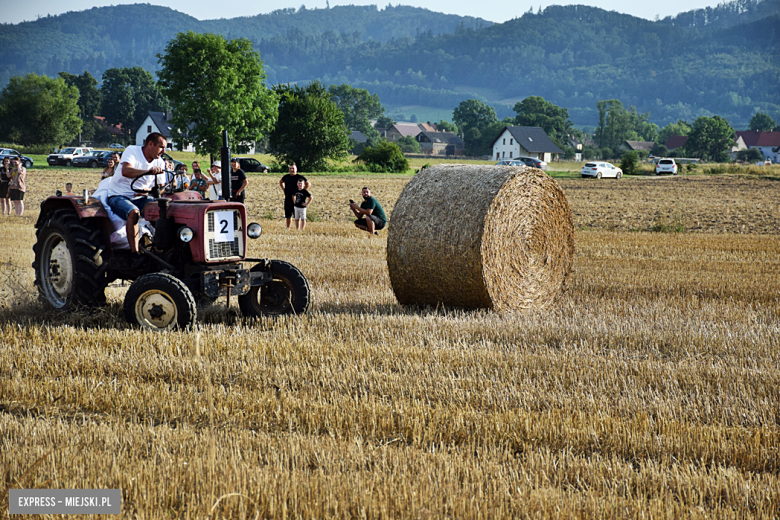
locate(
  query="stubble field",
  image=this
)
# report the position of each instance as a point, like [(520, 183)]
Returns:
[(650, 389)]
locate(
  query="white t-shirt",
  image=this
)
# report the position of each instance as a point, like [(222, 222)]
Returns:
[(215, 190), (134, 156)]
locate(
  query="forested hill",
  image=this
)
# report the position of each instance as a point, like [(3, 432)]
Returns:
[(572, 56)]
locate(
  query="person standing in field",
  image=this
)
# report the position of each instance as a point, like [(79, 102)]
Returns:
[(5, 181), (18, 185), (371, 216), (301, 199), (289, 185), (238, 181), (215, 183)]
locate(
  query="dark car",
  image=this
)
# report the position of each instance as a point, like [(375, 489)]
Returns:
[(533, 162), (93, 160), (248, 164), (7, 152)]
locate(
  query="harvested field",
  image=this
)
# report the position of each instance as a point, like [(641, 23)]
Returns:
[(649, 390)]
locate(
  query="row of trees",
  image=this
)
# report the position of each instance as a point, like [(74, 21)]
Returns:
[(213, 84)]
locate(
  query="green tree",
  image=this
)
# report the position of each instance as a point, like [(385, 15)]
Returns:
[(310, 128), (39, 110), (384, 122), (710, 139), (615, 124), (750, 155), (216, 85), (359, 107), (89, 95), (762, 122), (476, 120), (679, 128), (129, 93), (446, 126), (409, 144), (386, 157), (536, 111), (629, 162)]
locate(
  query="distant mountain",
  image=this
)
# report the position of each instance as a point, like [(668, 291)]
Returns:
[(573, 56)]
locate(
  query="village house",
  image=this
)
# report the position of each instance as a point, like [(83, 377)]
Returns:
[(768, 143), (440, 143), (399, 130), (159, 122), (525, 141), (637, 146)]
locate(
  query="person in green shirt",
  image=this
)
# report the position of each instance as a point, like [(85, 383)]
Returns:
[(371, 216)]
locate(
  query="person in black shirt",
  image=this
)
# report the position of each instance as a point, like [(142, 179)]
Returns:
[(238, 181), (300, 202), (289, 184)]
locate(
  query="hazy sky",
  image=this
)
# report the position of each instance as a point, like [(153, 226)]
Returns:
[(15, 11)]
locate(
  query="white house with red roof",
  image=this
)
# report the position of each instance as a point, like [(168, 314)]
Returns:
[(768, 143)]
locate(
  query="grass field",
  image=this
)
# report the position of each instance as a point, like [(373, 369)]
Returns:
[(649, 390)]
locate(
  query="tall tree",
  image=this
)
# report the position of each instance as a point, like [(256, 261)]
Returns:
[(711, 139), (215, 84), (89, 95), (359, 107), (679, 128), (762, 122), (310, 129), (129, 93), (476, 120), (39, 110), (614, 124), (537, 111)]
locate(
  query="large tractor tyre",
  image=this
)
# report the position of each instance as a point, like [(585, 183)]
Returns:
[(160, 302), (69, 266), (288, 293)]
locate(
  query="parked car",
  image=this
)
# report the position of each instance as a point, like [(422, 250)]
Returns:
[(533, 162), (7, 152), (249, 164), (66, 156), (601, 169), (116, 145), (666, 166), (92, 160)]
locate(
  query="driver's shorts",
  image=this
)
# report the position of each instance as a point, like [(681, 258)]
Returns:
[(122, 206)]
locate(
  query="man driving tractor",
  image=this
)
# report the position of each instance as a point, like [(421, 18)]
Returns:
[(127, 198)]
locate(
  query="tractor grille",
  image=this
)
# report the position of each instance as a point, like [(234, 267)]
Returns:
[(224, 250)]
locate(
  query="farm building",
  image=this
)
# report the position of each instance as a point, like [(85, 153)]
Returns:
[(768, 143), (440, 143), (525, 141), (637, 146)]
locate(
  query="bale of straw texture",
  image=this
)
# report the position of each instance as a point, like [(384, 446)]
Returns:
[(497, 237)]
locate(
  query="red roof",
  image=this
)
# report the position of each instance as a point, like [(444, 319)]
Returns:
[(756, 138), (112, 129), (675, 141)]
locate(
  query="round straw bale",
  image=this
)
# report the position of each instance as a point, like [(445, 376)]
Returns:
[(499, 237)]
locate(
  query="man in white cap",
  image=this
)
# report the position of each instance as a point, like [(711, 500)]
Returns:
[(215, 184)]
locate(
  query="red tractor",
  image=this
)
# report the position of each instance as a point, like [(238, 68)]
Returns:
[(197, 254)]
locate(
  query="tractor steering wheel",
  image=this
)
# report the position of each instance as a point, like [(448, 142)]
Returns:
[(156, 187)]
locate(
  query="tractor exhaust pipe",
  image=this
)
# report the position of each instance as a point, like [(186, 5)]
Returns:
[(227, 171)]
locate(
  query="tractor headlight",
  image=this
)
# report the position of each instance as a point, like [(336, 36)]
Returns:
[(254, 230), (186, 234)]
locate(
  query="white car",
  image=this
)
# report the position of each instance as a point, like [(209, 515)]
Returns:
[(601, 169), (666, 166), (116, 145)]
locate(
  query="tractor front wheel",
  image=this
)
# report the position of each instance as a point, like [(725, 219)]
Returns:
[(160, 302), (288, 293)]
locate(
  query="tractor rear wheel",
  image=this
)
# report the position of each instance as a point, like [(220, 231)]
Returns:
[(160, 302), (288, 293), (69, 266)]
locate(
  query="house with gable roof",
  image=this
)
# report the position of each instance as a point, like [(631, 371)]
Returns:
[(440, 143), (768, 143), (525, 141), (399, 130), (161, 122)]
